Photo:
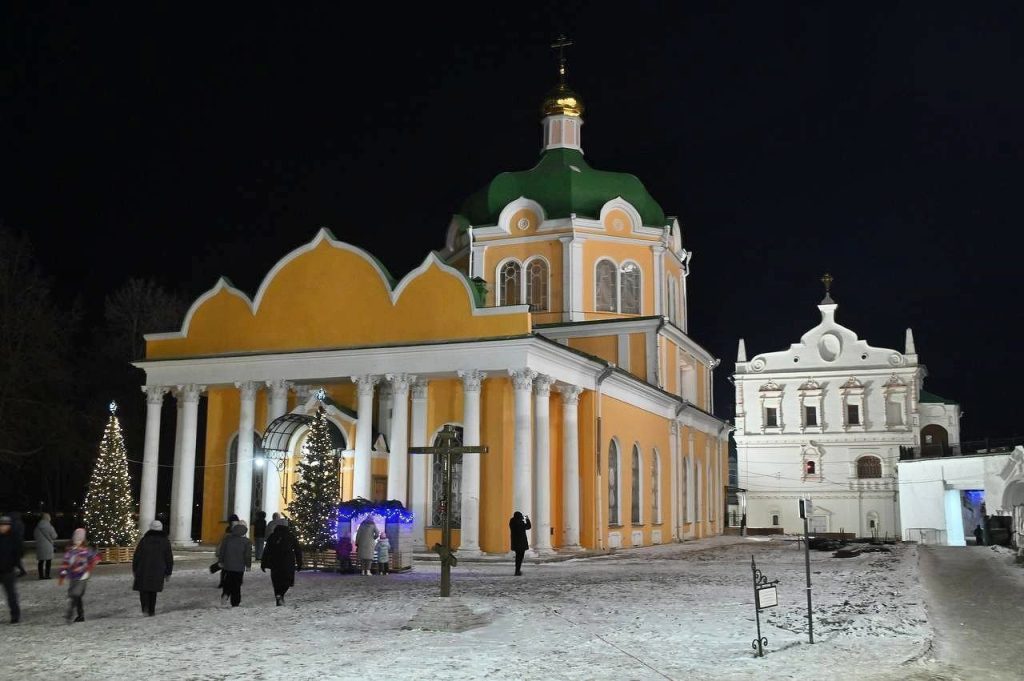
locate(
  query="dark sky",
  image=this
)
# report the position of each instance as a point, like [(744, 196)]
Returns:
[(881, 143)]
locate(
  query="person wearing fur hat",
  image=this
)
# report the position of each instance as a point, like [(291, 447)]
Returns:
[(283, 556), (152, 565), (79, 561), (10, 554), (234, 555), (44, 535)]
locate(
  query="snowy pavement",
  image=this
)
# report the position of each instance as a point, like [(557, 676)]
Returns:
[(679, 611)]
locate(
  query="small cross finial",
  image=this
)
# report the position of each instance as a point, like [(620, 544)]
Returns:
[(827, 281), (321, 394), (561, 42), (113, 407)]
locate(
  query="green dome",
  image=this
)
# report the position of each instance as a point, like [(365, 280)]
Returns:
[(562, 183)]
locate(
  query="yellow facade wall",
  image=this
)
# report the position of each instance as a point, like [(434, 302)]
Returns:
[(638, 355), (551, 250), (628, 425), (620, 252), (294, 315), (605, 347)]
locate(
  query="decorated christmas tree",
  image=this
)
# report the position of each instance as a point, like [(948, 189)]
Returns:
[(314, 507), (108, 503)]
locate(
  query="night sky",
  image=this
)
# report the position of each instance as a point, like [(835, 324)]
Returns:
[(880, 143)]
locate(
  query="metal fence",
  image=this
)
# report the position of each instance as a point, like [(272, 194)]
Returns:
[(987, 446)]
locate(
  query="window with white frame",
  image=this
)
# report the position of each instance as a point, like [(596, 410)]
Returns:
[(811, 397), (629, 288), (606, 286), (771, 407), (637, 487), (895, 391), (537, 285), (656, 486), (613, 483), (672, 303), (811, 463), (510, 283), (853, 405)]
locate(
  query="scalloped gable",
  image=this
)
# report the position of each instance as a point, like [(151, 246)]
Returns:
[(330, 294)]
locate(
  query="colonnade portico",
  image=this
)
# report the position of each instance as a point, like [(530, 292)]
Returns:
[(409, 479)]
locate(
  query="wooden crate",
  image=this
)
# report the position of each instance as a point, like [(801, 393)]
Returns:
[(117, 554)]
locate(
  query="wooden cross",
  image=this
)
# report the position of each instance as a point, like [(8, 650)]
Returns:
[(446, 448)]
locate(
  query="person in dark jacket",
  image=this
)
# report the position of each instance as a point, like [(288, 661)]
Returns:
[(234, 554), (979, 535), (517, 528), (151, 566), (232, 521), (44, 536), (18, 530), (283, 556), (259, 532), (10, 555)]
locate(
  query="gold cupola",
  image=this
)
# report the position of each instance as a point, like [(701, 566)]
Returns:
[(562, 108)]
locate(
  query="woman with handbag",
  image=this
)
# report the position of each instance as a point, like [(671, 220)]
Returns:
[(79, 561)]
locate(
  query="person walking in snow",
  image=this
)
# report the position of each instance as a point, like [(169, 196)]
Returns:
[(259, 532), (979, 535), (382, 554), (44, 535), (232, 521), (79, 561), (366, 538), (517, 528), (283, 556), (275, 520), (152, 565), (234, 555), (10, 554), (18, 529)]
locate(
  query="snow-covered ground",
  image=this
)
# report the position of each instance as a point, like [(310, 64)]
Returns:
[(680, 611)]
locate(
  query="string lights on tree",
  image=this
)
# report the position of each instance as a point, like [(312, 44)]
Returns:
[(108, 503), (314, 507)]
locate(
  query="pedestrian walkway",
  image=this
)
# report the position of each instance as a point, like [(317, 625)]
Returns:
[(976, 605)]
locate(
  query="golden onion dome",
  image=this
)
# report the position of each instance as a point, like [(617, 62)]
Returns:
[(562, 101)]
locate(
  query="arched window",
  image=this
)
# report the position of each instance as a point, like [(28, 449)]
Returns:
[(510, 281), (636, 486), (537, 285), (437, 487), (655, 487), (629, 285), (810, 468), (605, 283), (869, 467), (613, 483)]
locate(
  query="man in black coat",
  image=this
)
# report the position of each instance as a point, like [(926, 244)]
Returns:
[(10, 558), (283, 556), (152, 565), (517, 527)]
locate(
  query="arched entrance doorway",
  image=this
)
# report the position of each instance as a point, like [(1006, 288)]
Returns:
[(934, 441)]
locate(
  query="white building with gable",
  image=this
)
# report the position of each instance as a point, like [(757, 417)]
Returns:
[(825, 420)]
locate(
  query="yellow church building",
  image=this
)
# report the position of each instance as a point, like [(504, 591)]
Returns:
[(552, 328)]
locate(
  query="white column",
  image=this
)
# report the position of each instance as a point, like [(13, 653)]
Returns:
[(522, 494), (272, 474), (674, 492), (179, 422), (184, 475), (150, 455), (420, 466), (570, 468), (692, 508), (542, 470), (362, 479), (387, 402), (471, 381), (398, 438), (243, 474)]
